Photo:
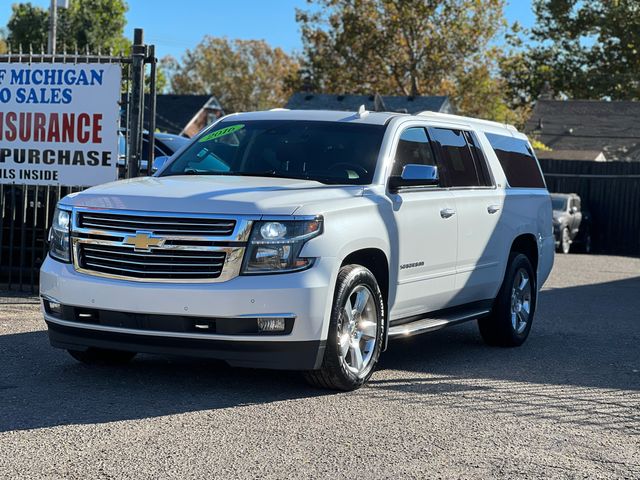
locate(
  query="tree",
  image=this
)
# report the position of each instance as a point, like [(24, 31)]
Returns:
[(407, 47), (3, 42), (86, 24), (27, 27), (242, 74), (582, 49)]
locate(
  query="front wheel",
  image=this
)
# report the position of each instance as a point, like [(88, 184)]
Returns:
[(355, 334), (509, 323), (565, 241)]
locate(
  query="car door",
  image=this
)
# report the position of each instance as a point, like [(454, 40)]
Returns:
[(425, 231), (481, 239)]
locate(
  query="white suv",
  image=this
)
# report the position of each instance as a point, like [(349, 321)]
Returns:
[(305, 240)]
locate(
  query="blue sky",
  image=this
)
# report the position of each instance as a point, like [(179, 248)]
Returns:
[(174, 26)]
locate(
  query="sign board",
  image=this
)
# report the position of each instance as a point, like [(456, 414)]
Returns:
[(59, 123)]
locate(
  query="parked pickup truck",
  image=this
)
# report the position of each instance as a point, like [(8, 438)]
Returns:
[(305, 240)]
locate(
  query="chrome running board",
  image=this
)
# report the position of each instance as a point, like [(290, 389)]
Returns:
[(425, 325)]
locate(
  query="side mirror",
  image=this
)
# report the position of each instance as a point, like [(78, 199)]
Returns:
[(158, 163), (574, 209), (414, 175)]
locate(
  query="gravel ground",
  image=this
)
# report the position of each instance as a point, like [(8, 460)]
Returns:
[(564, 405)]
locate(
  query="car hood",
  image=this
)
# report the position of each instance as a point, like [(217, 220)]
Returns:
[(228, 195)]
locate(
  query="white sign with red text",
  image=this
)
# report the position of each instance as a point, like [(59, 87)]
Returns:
[(59, 123)]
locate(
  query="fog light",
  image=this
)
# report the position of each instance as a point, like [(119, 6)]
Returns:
[(53, 308), (271, 324)]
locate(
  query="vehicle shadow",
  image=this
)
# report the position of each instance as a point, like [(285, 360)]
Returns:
[(581, 364), (582, 358), (43, 387)]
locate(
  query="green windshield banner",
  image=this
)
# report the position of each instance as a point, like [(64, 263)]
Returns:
[(221, 133)]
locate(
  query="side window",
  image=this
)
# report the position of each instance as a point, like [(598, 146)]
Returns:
[(413, 148), (481, 160), (458, 167), (517, 160)]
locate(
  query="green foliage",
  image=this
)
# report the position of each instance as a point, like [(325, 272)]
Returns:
[(87, 24), (242, 74), (27, 26), (582, 49), (408, 47)]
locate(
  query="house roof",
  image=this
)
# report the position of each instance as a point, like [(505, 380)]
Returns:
[(610, 127), (588, 155), (174, 112), (392, 103)]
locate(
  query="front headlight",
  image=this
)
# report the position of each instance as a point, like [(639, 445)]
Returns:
[(274, 246), (59, 236)]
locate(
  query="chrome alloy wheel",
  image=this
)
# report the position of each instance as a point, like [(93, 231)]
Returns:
[(358, 330), (520, 301)]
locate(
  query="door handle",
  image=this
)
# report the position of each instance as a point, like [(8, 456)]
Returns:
[(493, 208), (447, 212)]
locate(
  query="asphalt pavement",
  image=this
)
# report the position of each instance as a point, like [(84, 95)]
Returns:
[(442, 405)]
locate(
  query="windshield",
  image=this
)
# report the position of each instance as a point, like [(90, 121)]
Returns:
[(328, 152), (173, 143), (559, 203)]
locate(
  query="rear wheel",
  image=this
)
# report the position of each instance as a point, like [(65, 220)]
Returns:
[(355, 332), (510, 320), (101, 356)]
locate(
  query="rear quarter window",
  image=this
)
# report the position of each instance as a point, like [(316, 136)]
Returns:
[(517, 160)]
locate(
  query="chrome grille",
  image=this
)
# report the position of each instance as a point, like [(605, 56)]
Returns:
[(158, 247), (159, 225), (155, 264)]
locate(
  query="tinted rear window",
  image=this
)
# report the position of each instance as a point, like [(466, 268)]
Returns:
[(517, 160)]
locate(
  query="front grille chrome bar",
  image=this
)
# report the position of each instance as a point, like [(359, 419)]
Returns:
[(188, 256)]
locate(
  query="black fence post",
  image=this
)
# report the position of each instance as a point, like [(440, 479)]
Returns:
[(136, 110), (152, 108)]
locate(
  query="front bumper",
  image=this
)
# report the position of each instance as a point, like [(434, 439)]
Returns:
[(284, 355), (306, 295)]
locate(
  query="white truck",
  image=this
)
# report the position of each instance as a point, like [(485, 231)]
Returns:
[(305, 240)]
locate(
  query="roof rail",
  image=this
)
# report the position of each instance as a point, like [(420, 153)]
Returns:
[(458, 118), (278, 109)]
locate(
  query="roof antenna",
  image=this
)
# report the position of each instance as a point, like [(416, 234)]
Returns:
[(362, 112)]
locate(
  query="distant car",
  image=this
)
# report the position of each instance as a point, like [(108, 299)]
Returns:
[(571, 224), (165, 145)]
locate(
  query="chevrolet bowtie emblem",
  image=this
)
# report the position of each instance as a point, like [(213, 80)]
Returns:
[(144, 241)]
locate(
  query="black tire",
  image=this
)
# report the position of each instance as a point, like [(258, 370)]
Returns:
[(586, 242), (334, 373), (497, 328), (100, 356)]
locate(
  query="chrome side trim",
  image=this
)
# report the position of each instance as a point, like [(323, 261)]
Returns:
[(158, 333)]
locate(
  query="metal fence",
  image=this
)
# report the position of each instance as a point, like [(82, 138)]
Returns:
[(610, 191), (26, 210)]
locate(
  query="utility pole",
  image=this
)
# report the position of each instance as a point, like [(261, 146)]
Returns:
[(53, 25)]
